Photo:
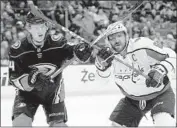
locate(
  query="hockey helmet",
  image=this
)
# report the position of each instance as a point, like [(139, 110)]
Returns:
[(33, 19), (116, 27)]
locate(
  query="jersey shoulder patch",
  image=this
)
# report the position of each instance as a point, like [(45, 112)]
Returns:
[(57, 40), (157, 44), (17, 44), (20, 47), (57, 37)]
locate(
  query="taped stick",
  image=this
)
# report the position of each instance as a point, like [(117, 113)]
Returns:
[(132, 10), (41, 15), (101, 36), (96, 47), (38, 13)]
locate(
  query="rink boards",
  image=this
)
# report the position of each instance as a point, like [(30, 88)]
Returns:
[(78, 79), (89, 99)]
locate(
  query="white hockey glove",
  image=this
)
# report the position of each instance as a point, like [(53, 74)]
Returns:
[(157, 76), (83, 51), (104, 59)]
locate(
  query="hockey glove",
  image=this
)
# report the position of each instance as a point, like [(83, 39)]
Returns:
[(83, 51), (37, 80), (104, 59), (157, 76)]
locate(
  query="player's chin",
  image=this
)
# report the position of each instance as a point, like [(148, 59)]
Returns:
[(118, 49), (39, 40)]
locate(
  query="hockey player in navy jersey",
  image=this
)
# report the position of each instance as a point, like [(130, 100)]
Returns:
[(141, 94), (33, 60)]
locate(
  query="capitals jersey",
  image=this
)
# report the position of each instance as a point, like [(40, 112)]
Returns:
[(47, 59), (142, 54)]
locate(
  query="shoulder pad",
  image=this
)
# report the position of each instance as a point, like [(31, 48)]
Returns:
[(56, 37), (17, 44), (147, 43), (143, 41), (137, 39)]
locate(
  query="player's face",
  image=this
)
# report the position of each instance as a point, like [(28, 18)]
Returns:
[(118, 41), (38, 32)]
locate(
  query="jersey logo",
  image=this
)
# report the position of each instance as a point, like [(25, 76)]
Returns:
[(17, 44), (158, 44), (57, 37), (45, 68)]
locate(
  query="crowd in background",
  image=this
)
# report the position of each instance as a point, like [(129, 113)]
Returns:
[(90, 18)]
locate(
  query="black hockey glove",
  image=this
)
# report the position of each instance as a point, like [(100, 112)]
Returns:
[(83, 51), (38, 80), (104, 59), (157, 77)]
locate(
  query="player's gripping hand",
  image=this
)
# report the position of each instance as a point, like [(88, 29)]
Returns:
[(157, 77), (38, 80), (83, 51), (104, 59)]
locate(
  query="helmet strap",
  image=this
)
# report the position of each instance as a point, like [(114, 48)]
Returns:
[(124, 51)]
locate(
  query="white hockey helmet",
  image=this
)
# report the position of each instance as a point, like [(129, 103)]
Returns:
[(118, 28)]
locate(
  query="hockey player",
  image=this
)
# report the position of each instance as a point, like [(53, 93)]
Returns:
[(141, 95), (36, 58)]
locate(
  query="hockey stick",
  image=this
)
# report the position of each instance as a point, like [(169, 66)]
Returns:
[(130, 11), (128, 65), (66, 64), (131, 67), (41, 15), (101, 36), (38, 13)]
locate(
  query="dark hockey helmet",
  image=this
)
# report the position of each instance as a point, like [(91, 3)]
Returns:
[(33, 19)]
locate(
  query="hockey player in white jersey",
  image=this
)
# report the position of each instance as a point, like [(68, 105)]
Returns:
[(141, 95)]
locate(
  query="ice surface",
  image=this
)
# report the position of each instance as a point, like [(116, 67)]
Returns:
[(90, 109), (82, 111)]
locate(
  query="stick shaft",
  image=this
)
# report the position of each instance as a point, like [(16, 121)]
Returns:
[(62, 68), (41, 15), (136, 70), (133, 9)]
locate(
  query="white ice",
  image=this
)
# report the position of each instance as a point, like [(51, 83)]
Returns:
[(82, 111)]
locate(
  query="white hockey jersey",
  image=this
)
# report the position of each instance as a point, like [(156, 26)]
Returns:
[(142, 53)]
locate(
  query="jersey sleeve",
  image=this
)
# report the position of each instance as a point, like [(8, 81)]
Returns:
[(170, 62), (61, 41), (102, 73), (17, 75), (69, 51), (165, 57)]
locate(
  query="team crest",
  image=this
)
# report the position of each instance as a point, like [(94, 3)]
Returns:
[(56, 37), (17, 44), (158, 44)]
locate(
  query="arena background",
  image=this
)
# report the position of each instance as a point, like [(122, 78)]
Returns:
[(91, 99)]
